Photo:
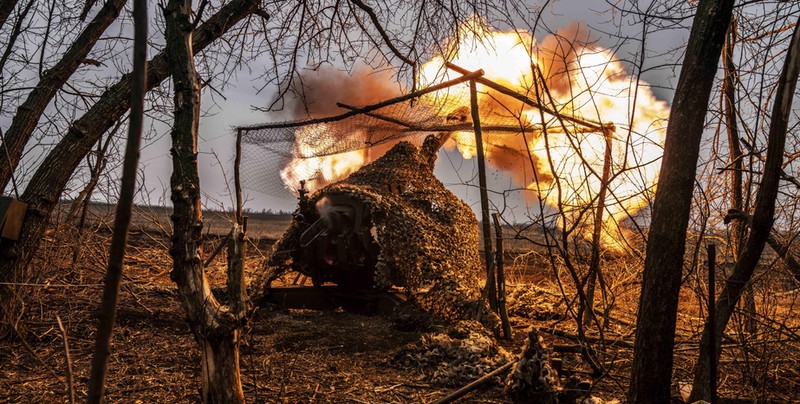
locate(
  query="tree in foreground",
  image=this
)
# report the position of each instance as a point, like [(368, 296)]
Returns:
[(658, 304), (51, 178), (216, 328), (760, 224)]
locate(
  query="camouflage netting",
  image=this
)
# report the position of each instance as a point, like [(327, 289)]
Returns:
[(268, 149), (428, 238), (534, 380), (454, 358)]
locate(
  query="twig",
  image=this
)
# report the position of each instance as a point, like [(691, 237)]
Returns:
[(218, 249), (53, 285), (70, 377), (33, 354), (376, 22), (369, 108), (587, 338), (784, 175)]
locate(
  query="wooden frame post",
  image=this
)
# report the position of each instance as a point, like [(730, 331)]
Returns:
[(490, 289), (594, 273), (501, 276)]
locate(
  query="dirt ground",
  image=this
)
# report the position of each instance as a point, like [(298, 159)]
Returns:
[(298, 356)]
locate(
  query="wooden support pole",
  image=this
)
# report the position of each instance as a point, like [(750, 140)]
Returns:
[(712, 258), (501, 276), (237, 289), (599, 214), (236, 181), (489, 290)]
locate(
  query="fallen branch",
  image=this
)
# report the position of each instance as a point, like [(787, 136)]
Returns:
[(475, 384), (594, 340), (33, 354)]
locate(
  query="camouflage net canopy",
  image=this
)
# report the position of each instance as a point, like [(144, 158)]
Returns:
[(275, 157), (418, 235), (427, 238)]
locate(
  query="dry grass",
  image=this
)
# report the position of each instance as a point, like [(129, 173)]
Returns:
[(334, 356)]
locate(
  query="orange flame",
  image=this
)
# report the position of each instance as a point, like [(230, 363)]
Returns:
[(323, 89), (566, 161), (584, 81), (310, 141)]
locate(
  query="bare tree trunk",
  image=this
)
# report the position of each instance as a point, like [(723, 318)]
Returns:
[(215, 327), (651, 374), (6, 7), (763, 218), (47, 183), (736, 165), (122, 218), (28, 114)]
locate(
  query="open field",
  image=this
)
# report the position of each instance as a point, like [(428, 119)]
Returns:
[(334, 356)]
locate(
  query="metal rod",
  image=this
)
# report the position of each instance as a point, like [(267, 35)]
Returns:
[(487, 235), (373, 107)]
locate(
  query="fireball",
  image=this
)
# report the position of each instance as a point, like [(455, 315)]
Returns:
[(312, 163), (581, 80), (562, 162)]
